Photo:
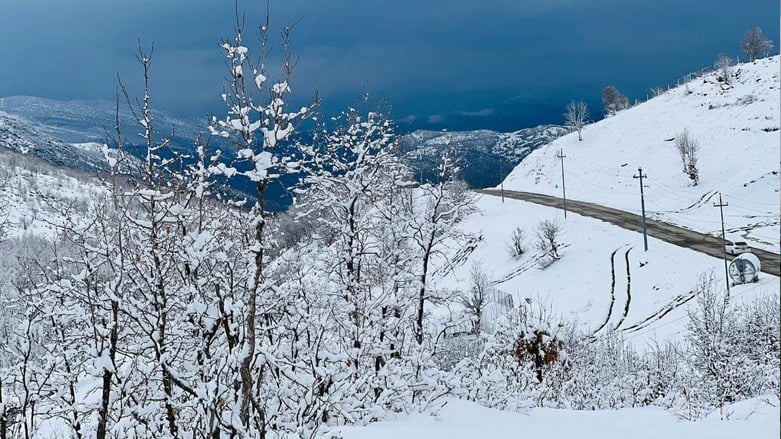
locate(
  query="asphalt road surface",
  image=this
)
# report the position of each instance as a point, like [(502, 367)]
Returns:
[(710, 245)]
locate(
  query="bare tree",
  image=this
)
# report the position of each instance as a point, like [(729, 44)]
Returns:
[(444, 204), (548, 232), (258, 122), (657, 91), (713, 329), (613, 100), (755, 45), (688, 149), (517, 244), (4, 208), (724, 64), (576, 116), (475, 299)]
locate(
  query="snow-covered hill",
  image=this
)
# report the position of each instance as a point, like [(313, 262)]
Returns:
[(604, 280), (20, 136), (80, 121), (737, 128), (33, 193), (484, 156)]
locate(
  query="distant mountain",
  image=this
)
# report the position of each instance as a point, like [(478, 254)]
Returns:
[(68, 133), (21, 136), (485, 157), (80, 121)]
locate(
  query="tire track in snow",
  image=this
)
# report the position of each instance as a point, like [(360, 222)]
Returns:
[(628, 289), (524, 267), (612, 291), (462, 255), (679, 300), (703, 199)]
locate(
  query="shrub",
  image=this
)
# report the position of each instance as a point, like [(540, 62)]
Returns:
[(517, 243)]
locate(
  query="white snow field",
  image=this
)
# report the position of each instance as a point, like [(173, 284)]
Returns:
[(737, 128), (752, 419), (578, 286), (32, 191)]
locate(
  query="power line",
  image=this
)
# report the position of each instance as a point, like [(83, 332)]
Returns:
[(561, 156), (640, 175), (501, 176), (721, 205)]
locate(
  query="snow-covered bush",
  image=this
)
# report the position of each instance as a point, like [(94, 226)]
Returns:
[(730, 354), (732, 351), (724, 65)]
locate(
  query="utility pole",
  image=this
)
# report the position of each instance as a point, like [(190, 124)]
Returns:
[(641, 176), (501, 179), (721, 207), (561, 156)]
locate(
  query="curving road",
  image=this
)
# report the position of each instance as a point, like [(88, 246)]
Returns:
[(710, 245)]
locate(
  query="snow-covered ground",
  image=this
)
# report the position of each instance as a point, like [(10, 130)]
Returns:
[(31, 191), (753, 419), (578, 286), (737, 128)]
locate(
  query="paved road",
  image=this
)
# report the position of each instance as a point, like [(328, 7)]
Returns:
[(771, 263)]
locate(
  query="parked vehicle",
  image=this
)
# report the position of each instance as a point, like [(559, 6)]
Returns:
[(736, 247)]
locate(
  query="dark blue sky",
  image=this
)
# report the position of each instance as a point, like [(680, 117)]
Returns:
[(460, 64)]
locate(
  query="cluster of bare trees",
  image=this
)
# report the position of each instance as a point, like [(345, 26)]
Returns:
[(536, 358), (165, 312)]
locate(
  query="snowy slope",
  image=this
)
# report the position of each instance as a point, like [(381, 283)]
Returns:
[(21, 136), (578, 286), (737, 128), (31, 192), (752, 419)]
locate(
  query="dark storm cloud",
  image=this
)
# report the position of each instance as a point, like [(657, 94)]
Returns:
[(494, 64)]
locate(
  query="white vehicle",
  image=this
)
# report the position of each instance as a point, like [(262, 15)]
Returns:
[(736, 247)]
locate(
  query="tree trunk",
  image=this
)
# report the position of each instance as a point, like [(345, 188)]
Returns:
[(3, 415), (105, 399), (245, 368)]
